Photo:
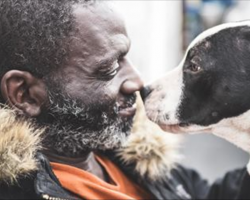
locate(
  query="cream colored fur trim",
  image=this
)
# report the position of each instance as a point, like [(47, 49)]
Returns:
[(153, 151), (18, 145)]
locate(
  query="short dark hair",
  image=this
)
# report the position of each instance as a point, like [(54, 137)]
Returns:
[(34, 33)]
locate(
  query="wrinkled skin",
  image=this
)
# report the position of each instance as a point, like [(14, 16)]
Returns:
[(92, 95)]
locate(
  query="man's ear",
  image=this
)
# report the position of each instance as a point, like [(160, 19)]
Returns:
[(24, 91)]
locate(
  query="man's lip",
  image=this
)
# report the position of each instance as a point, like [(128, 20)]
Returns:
[(128, 112)]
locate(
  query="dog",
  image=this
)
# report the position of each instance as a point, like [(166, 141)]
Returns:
[(209, 91)]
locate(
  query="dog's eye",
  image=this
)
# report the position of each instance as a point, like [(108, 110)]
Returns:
[(194, 68)]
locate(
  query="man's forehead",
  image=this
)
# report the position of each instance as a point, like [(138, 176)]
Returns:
[(100, 15), (100, 36)]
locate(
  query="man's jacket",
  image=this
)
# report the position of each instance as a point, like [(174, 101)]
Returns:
[(25, 173)]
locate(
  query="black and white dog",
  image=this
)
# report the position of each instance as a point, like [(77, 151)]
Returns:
[(210, 90)]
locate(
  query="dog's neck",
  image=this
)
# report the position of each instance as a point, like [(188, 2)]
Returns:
[(236, 130)]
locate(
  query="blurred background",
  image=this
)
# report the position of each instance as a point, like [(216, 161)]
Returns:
[(160, 32)]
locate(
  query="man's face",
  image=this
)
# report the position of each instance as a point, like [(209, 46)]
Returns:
[(92, 95)]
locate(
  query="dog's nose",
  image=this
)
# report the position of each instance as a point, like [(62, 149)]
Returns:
[(145, 92)]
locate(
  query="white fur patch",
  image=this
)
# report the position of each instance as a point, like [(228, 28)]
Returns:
[(235, 129), (165, 98), (173, 83), (215, 30)]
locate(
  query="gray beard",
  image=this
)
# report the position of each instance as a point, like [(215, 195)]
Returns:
[(73, 129)]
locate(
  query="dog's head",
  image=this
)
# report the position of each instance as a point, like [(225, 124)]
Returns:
[(210, 89)]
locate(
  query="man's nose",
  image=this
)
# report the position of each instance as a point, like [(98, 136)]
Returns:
[(145, 91), (133, 83)]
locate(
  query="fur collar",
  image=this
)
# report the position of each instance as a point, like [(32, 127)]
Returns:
[(19, 141), (150, 150), (153, 152)]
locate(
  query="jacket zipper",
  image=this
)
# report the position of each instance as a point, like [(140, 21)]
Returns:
[(47, 197)]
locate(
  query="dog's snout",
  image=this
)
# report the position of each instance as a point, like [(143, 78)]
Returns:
[(145, 92)]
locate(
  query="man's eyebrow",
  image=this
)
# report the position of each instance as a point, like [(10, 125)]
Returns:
[(105, 62), (108, 61)]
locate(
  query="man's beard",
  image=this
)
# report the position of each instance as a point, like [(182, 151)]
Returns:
[(74, 128)]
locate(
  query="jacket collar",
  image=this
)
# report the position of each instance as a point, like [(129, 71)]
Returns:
[(46, 184), (19, 142), (152, 152)]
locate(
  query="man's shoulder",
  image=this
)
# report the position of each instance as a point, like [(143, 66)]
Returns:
[(37, 184)]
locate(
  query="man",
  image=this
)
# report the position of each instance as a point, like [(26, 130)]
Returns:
[(66, 76)]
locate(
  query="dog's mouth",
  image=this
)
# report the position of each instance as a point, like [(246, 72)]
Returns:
[(183, 128), (174, 128)]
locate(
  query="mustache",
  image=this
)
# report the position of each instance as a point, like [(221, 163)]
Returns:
[(125, 102), (131, 100)]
